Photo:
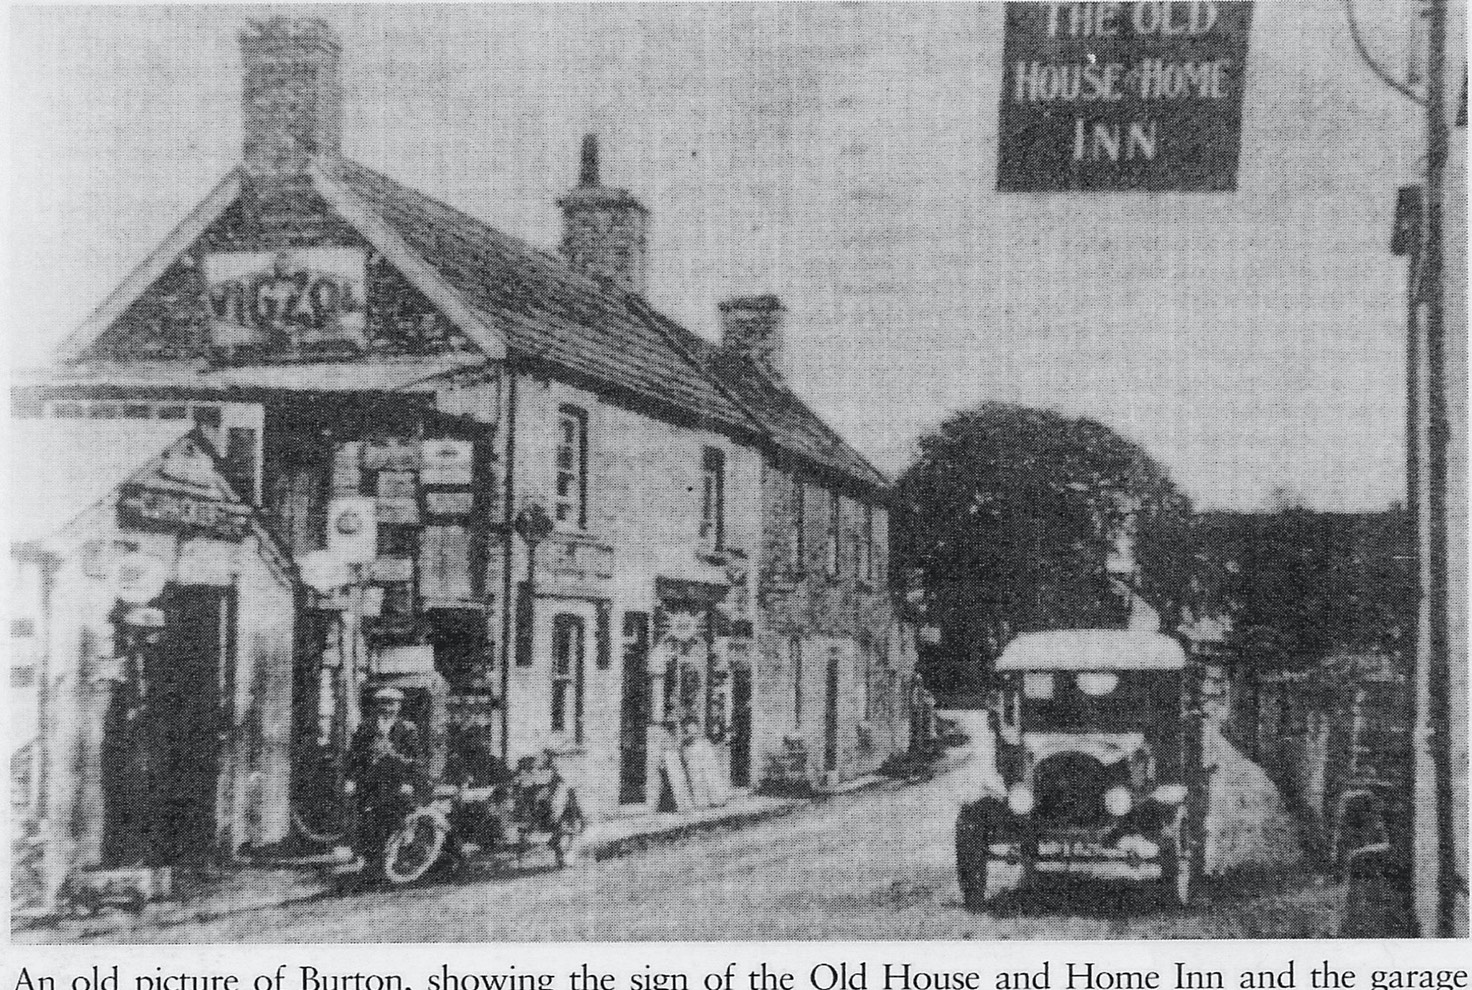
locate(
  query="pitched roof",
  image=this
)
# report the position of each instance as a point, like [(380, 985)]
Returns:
[(793, 427), (501, 289), (548, 312)]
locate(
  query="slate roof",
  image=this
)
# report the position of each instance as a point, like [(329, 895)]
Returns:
[(795, 428), (548, 312), (551, 316)]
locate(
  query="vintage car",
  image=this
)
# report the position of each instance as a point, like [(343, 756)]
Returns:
[(1097, 742)]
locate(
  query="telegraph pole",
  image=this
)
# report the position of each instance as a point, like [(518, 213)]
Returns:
[(1434, 652)]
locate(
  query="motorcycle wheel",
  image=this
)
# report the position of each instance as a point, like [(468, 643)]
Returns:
[(321, 824), (412, 850)]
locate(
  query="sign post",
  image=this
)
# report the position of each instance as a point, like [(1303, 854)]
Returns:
[(1122, 97)]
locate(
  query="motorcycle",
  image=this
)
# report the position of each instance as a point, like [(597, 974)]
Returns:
[(534, 808)]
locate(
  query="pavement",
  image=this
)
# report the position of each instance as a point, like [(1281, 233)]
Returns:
[(876, 864), (253, 885)]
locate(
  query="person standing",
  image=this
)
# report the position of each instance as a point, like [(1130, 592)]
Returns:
[(385, 771)]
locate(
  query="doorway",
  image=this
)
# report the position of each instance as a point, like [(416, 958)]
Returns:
[(634, 717), (182, 725), (741, 726)]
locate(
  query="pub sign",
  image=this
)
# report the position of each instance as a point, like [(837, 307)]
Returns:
[(288, 300), (1100, 96)]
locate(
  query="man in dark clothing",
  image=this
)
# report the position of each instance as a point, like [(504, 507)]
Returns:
[(384, 771)]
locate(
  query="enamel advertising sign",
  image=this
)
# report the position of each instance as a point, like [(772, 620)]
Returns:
[(1124, 97), (288, 300)]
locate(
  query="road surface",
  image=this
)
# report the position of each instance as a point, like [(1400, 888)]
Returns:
[(875, 864)]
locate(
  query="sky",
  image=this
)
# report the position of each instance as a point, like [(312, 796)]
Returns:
[(842, 156)]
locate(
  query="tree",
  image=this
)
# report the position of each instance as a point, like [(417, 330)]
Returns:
[(1315, 583), (1013, 515)]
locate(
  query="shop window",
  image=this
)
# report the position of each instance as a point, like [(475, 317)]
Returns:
[(713, 498), (572, 468), (834, 550), (568, 651)]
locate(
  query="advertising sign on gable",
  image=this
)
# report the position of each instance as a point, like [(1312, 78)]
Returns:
[(1100, 96), (288, 300)]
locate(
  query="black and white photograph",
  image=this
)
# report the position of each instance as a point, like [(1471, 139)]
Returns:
[(725, 472)]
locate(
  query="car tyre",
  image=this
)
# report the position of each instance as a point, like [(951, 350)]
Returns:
[(1178, 867), (973, 848)]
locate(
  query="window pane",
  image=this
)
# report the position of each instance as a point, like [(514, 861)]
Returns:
[(207, 415)]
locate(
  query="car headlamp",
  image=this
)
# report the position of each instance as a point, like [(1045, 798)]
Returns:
[(1170, 793), (1020, 799), (1118, 801)]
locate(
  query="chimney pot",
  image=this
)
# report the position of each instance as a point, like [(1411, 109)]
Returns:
[(752, 326), (589, 175), (605, 231)]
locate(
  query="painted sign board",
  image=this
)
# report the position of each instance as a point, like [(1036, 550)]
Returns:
[(144, 507), (288, 300), (1119, 97), (448, 462)]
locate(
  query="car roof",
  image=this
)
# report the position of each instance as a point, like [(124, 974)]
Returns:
[(1092, 649)]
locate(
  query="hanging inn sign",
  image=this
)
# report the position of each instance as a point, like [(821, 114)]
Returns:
[(1140, 97)]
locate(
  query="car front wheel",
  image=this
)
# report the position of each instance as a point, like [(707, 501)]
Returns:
[(1178, 867), (973, 842)]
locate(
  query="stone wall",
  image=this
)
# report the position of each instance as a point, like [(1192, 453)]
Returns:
[(819, 627)]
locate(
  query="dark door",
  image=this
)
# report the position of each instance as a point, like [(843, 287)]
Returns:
[(741, 726), (634, 719), (830, 715), (182, 679)]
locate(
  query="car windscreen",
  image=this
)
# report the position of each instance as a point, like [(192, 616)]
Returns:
[(1100, 700)]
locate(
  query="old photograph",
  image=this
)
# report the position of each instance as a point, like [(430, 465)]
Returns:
[(738, 472)]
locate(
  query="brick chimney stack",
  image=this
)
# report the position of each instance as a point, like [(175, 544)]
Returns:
[(752, 327), (292, 98), (605, 231)]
